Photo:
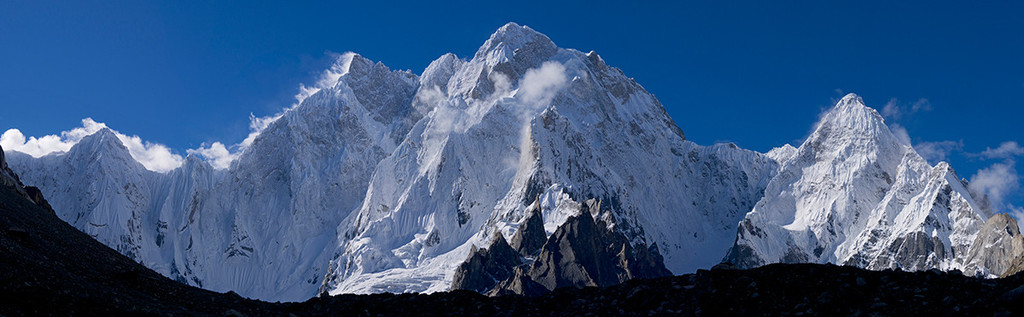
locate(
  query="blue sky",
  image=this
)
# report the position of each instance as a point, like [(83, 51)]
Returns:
[(756, 74)]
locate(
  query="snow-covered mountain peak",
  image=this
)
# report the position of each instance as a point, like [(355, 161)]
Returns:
[(782, 154), (851, 100), (104, 145), (512, 37), (852, 193), (850, 117)]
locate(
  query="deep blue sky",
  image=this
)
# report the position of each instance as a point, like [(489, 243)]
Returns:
[(756, 74)]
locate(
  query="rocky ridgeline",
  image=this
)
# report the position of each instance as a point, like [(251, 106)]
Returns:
[(581, 252)]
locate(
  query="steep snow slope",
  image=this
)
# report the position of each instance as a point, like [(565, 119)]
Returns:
[(853, 194), (100, 189), (259, 228), (265, 226), (524, 120)]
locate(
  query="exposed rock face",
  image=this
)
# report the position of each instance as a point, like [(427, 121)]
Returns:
[(485, 267), (10, 179), (520, 283), (998, 244), (1016, 266), (7, 177), (530, 236), (36, 197), (583, 252)]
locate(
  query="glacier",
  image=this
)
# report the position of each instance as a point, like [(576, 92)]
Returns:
[(384, 180)]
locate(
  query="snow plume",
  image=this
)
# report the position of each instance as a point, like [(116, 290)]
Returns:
[(536, 90), (154, 156), (936, 152), (329, 77), (216, 154), (501, 85), (428, 98), (540, 85)]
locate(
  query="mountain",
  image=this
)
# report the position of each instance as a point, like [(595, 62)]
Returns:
[(260, 227), (525, 121), (853, 194), (522, 169)]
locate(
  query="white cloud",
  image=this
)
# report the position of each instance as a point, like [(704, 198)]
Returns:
[(154, 156), (936, 152), (1006, 150), (14, 140), (997, 182), (216, 154)]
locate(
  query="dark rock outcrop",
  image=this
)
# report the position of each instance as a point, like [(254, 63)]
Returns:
[(10, 179), (36, 197), (7, 177), (486, 267), (584, 252), (520, 283), (581, 252), (530, 236)]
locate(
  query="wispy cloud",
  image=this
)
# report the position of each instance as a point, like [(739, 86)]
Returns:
[(936, 152), (901, 133), (1016, 212), (153, 156), (896, 110), (997, 182), (892, 110), (1005, 150)]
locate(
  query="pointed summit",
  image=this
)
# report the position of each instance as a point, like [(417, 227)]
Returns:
[(851, 100), (512, 37), (503, 59), (104, 138), (851, 122), (104, 145), (516, 47)]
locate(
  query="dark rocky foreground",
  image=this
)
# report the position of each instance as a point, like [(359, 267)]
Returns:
[(48, 267)]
